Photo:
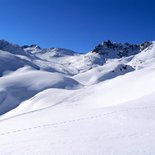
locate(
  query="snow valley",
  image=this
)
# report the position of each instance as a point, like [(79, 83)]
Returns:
[(58, 102)]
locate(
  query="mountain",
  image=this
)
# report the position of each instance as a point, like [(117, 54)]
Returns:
[(55, 101)]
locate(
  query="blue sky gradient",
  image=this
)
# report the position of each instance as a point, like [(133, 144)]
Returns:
[(76, 24)]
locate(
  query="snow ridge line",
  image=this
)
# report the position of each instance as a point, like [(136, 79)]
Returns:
[(74, 120)]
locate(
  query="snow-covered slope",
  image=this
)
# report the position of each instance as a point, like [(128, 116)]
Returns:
[(58, 102), (23, 84)]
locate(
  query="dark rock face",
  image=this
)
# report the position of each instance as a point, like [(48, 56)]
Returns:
[(12, 48), (118, 50), (32, 46)]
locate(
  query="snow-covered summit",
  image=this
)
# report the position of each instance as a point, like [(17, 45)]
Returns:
[(36, 49), (31, 47), (69, 62), (107, 48)]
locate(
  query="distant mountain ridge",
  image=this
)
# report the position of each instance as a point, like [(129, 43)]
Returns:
[(67, 61), (108, 48), (104, 48)]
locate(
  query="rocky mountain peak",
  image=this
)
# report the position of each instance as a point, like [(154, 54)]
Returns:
[(33, 46), (116, 50)]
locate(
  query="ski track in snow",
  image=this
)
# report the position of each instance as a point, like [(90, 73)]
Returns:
[(74, 120)]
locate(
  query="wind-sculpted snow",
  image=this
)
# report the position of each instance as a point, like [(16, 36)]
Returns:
[(10, 62), (104, 94), (107, 71), (22, 85)]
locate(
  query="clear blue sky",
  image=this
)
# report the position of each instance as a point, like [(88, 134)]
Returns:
[(76, 24)]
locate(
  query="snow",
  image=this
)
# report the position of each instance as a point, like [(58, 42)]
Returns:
[(125, 129), (66, 103), (22, 85), (109, 70), (11, 48)]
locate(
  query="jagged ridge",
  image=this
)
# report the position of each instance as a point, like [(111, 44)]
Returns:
[(118, 50)]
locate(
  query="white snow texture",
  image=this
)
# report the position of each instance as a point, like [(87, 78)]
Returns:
[(58, 102)]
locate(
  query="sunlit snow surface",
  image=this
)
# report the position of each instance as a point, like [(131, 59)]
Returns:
[(62, 103)]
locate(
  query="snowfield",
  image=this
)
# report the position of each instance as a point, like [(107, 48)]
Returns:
[(58, 102)]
